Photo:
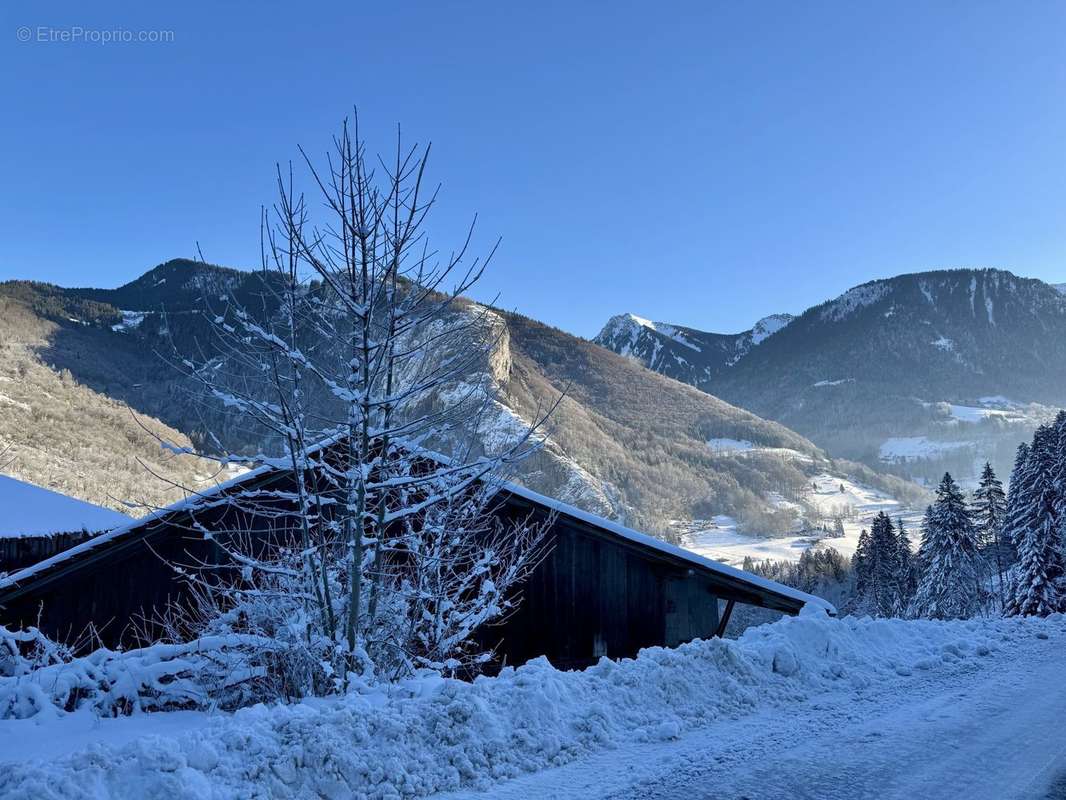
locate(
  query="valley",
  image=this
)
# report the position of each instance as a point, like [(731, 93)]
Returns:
[(915, 375)]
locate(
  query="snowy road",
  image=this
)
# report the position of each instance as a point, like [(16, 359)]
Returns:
[(994, 732)]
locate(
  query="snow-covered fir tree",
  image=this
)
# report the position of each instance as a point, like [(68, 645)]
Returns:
[(884, 573), (860, 569), (881, 566), (1014, 522), (949, 586), (907, 575), (1037, 579), (989, 508)]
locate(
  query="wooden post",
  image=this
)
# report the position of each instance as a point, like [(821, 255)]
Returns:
[(725, 618)]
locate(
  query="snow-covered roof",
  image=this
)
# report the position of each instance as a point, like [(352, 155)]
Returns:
[(643, 539), (28, 510), (128, 525), (551, 503)]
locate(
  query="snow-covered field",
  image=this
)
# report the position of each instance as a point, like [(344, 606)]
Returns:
[(858, 504), (724, 446), (721, 718), (915, 448)]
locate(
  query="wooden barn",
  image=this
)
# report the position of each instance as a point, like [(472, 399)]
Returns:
[(603, 590)]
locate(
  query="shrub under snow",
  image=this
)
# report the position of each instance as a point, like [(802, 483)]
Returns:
[(430, 734)]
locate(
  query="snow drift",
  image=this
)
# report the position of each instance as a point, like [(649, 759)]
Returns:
[(431, 734)]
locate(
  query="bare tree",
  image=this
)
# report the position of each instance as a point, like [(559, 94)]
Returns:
[(374, 555)]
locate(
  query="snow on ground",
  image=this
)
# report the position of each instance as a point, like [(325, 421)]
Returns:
[(724, 446), (744, 704), (130, 319), (984, 728), (972, 414), (857, 505), (719, 539), (30, 510), (916, 448), (5, 400)]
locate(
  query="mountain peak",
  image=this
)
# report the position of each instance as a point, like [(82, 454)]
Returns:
[(687, 354)]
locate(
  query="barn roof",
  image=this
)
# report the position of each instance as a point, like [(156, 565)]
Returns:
[(30, 510), (738, 584)]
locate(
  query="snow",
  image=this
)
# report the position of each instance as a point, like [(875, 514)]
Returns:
[(974, 414), (915, 448), (551, 503), (662, 328), (10, 401), (834, 383), (998, 400), (854, 300), (724, 445), (768, 326), (985, 728), (126, 527), (810, 681), (30, 510), (943, 343), (719, 538), (130, 319)]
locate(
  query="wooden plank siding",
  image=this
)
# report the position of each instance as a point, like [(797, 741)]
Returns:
[(597, 592)]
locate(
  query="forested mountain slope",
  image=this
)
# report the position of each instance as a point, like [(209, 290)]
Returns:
[(943, 367), (625, 441)]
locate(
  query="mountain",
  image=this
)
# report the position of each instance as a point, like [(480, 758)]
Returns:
[(71, 434), (625, 441), (914, 372), (685, 354)]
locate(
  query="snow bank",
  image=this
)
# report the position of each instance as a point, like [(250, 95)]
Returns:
[(433, 734)]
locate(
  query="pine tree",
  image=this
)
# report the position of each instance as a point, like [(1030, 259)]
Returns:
[(1018, 492), (949, 586), (989, 507), (860, 567), (883, 580), (1036, 584), (838, 528), (907, 576), (1057, 442)]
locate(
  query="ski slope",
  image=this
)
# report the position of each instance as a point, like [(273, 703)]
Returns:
[(720, 539)]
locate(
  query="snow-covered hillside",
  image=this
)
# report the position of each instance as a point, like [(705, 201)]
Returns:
[(721, 714), (931, 354), (831, 495), (685, 354)]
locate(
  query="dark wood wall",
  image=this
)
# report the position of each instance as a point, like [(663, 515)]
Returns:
[(595, 594), (17, 552)]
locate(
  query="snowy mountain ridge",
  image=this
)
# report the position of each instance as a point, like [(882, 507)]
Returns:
[(688, 354), (880, 362), (625, 442)]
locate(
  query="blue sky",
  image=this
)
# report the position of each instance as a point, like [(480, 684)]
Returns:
[(702, 163)]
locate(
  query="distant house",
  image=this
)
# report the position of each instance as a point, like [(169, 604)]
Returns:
[(604, 590), (36, 523)]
